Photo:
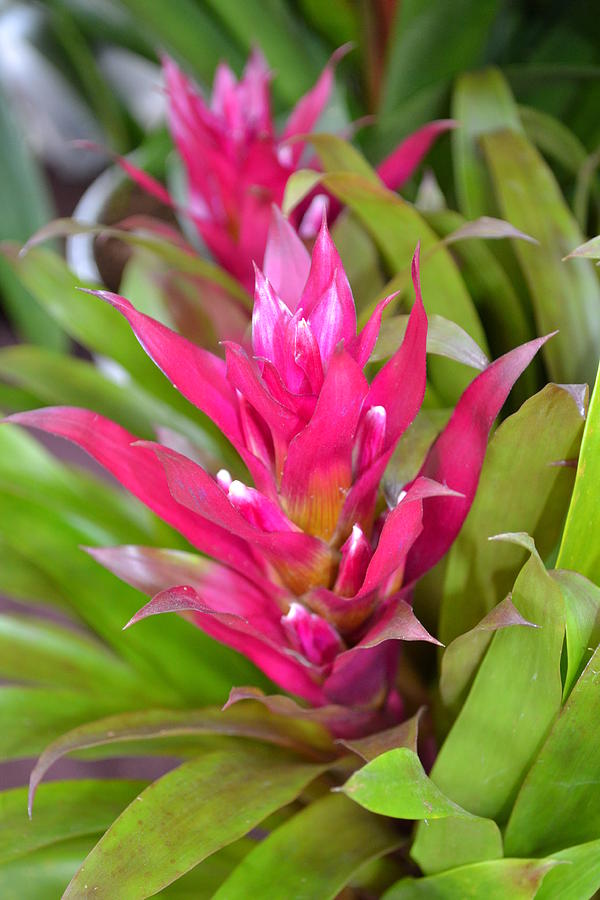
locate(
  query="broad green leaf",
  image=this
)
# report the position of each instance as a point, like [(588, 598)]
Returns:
[(186, 30), (481, 102), (559, 802), (530, 199), (553, 138), (513, 702), (444, 338), (447, 843), (409, 455), (395, 784), (582, 619), (151, 724), (178, 662), (314, 854), (500, 879), (493, 293), (580, 546), (63, 380), (289, 46), (396, 227), (298, 186), (21, 579), (158, 837), (578, 878), (24, 198), (33, 717), (338, 155), (180, 258), (44, 874), (427, 49), (45, 653), (462, 656), (478, 574), (64, 810), (100, 327), (29, 471), (202, 881)]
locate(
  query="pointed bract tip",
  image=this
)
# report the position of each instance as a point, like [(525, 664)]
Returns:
[(341, 52)]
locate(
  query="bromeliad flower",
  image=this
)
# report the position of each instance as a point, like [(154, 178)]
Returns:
[(237, 166), (308, 572)]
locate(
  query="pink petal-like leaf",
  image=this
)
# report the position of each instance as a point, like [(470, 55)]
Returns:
[(138, 470), (397, 168), (307, 111), (456, 457), (299, 557), (283, 668), (286, 261), (196, 373), (152, 570), (401, 529)]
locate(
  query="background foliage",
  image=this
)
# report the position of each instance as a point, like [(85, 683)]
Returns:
[(511, 805)]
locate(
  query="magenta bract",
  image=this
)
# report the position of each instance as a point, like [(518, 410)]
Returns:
[(237, 165), (311, 574)]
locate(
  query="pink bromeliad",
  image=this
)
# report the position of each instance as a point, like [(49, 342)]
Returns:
[(237, 166), (308, 572)]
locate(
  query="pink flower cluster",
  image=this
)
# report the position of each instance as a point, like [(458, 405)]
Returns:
[(307, 572)]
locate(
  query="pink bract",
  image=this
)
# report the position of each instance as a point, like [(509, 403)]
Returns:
[(310, 573), (237, 165)]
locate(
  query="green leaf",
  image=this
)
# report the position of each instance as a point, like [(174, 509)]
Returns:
[(21, 579), (519, 463), (186, 30), (444, 338), (158, 837), (151, 724), (395, 784), (553, 138), (447, 843), (427, 49), (462, 656), (46, 653), (500, 879), (314, 854), (530, 198), (26, 206), (580, 877), (178, 662), (582, 618), (33, 717), (63, 380), (64, 810), (559, 802), (206, 878), (481, 102), (180, 258), (289, 46), (396, 227), (45, 873), (514, 700), (493, 293), (98, 326), (580, 546)]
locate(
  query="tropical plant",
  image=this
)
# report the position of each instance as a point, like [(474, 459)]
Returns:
[(389, 767)]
